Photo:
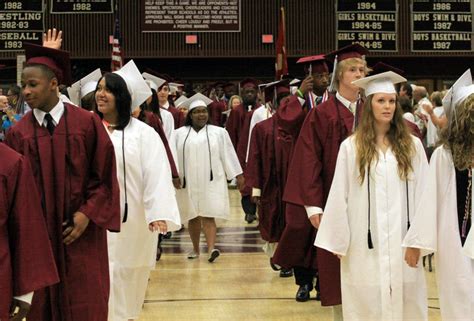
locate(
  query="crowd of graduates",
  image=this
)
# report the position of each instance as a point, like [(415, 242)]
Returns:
[(352, 173)]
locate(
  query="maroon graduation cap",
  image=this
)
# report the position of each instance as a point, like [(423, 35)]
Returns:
[(57, 60), (318, 63), (249, 82), (351, 51), (381, 67)]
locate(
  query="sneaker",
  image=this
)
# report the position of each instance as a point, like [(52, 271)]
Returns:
[(214, 255), (193, 255)]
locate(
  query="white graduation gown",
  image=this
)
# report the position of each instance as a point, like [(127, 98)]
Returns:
[(151, 197), (201, 196), (469, 244), (260, 114), (168, 123), (376, 284), (454, 271)]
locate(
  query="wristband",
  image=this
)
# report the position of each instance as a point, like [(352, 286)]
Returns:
[(300, 93)]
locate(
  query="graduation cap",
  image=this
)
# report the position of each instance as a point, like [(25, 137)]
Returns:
[(458, 92), (176, 84), (351, 51), (174, 87), (58, 61), (197, 100), (84, 86), (381, 67), (276, 88), (138, 88), (249, 82), (315, 63), (153, 81), (179, 102), (380, 83)]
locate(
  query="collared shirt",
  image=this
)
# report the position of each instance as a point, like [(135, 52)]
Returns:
[(350, 105), (57, 112)]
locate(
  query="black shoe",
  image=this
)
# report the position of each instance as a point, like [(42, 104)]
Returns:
[(318, 296), (303, 293), (250, 218), (286, 273), (274, 266)]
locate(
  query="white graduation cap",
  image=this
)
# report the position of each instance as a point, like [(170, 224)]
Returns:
[(156, 82), (380, 83), (151, 84), (137, 86), (197, 100), (173, 89), (294, 82), (179, 102), (176, 84), (84, 86), (461, 89)]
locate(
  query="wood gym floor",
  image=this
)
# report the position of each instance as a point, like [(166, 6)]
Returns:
[(240, 285)]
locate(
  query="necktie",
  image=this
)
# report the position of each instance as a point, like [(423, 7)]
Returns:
[(352, 107), (49, 123)]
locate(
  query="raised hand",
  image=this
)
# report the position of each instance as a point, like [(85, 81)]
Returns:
[(53, 39)]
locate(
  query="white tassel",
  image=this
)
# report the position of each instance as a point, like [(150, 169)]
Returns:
[(333, 76)]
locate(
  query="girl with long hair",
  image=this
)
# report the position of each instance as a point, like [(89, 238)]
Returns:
[(147, 196), (450, 187), (371, 206)]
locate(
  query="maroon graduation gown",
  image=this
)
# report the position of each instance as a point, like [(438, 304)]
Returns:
[(309, 180), (215, 113), (89, 186), (26, 259), (270, 151), (414, 130), (154, 121), (235, 124), (177, 115)]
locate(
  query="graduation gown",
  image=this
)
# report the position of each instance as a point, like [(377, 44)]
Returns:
[(468, 247), (27, 262), (168, 123), (454, 271), (216, 116), (391, 289), (151, 197), (271, 149), (309, 179), (89, 186), (178, 116), (154, 121), (201, 196), (235, 123)]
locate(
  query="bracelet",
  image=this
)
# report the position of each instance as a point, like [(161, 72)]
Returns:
[(300, 93)]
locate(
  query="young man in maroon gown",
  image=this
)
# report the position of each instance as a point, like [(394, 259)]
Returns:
[(312, 92), (75, 171), (271, 147), (218, 105), (27, 263), (238, 126), (311, 171)]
